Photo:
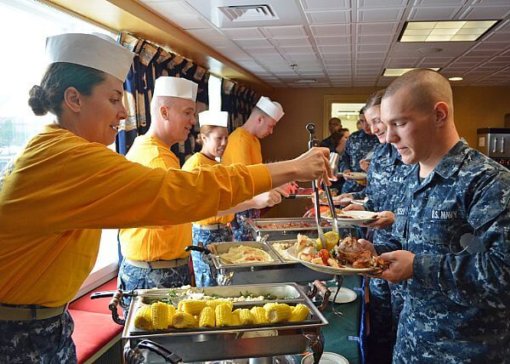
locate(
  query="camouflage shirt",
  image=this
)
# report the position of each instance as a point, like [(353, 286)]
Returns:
[(356, 148), (457, 223), (385, 182)]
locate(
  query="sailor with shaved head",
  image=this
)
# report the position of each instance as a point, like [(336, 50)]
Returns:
[(452, 226)]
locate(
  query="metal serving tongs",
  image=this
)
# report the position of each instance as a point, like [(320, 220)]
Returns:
[(312, 142)]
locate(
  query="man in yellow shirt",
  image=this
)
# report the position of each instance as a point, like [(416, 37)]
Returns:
[(155, 256), (244, 147)]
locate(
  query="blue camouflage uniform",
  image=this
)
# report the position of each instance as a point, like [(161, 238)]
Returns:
[(204, 277), (131, 277), (357, 147), (241, 230), (457, 223), (385, 178), (38, 341)]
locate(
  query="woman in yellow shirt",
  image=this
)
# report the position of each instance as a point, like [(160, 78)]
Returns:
[(214, 139)]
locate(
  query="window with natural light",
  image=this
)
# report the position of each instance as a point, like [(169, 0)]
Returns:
[(214, 93), (22, 66)]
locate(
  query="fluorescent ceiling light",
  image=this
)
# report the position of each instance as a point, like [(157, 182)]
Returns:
[(455, 78), (445, 31), (395, 72)]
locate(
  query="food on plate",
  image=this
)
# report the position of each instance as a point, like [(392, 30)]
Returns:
[(162, 316), (350, 251), (332, 239), (245, 254)]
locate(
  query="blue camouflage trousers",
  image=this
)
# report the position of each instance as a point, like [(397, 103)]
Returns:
[(240, 229), (386, 303), (203, 275), (131, 277), (39, 341)]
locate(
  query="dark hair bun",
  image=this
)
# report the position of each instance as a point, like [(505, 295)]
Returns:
[(38, 100)]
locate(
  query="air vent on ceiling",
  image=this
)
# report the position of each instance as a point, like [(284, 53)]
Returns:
[(245, 13)]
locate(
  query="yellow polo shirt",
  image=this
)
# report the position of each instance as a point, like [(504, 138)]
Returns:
[(162, 242), (243, 148), (63, 189), (193, 162)]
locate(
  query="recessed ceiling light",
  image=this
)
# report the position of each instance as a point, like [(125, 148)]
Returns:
[(445, 31), (395, 72), (455, 78)]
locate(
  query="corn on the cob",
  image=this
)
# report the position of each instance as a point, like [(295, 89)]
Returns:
[(214, 303), (223, 313), (160, 316), (245, 316), (236, 321), (259, 315), (207, 318), (143, 318), (193, 307), (279, 312), (183, 320), (299, 313)]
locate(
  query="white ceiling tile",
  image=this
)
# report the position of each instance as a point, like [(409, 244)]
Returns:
[(174, 9), (192, 23), (372, 47), (379, 3), (294, 42), (303, 57), (436, 13), (439, 3), (401, 62), (375, 39), (497, 37), (263, 52), (282, 32), (332, 40), (328, 17), (376, 28), (485, 12), (325, 4), (338, 49), (243, 33), (379, 15), (254, 43), (296, 50), (440, 61), (330, 30)]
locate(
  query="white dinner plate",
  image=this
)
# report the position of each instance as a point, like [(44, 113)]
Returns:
[(326, 358), (355, 217), (345, 295), (291, 252)]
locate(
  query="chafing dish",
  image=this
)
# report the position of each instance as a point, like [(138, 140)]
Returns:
[(280, 270), (207, 344), (285, 228)]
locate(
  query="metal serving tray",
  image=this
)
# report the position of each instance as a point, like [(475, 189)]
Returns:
[(295, 225), (234, 342), (278, 271), (221, 248)]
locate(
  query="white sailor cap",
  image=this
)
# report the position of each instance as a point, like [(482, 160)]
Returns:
[(271, 108), (213, 118), (175, 87), (95, 51)]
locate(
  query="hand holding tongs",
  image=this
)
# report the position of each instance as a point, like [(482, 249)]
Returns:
[(312, 142)]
